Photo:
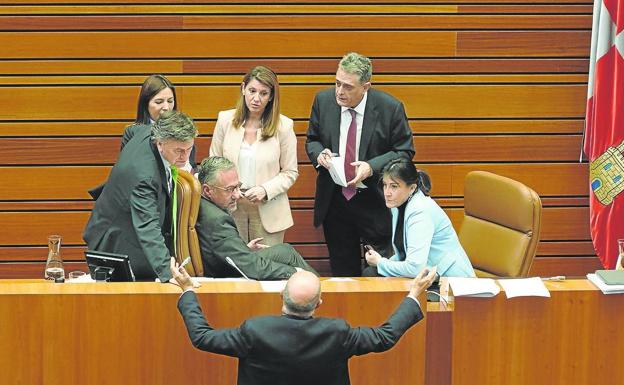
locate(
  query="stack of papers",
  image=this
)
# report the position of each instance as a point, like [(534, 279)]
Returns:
[(487, 287), (524, 287), (606, 289), (473, 287)]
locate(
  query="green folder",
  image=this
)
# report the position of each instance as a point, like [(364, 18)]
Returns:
[(611, 277)]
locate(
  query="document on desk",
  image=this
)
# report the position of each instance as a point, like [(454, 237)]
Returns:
[(473, 287), (606, 289), (210, 279), (524, 287), (336, 170), (273, 286)]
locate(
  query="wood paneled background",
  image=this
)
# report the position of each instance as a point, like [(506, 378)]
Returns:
[(488, 85)]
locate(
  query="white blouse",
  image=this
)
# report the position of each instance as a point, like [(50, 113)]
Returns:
[(247, 164)]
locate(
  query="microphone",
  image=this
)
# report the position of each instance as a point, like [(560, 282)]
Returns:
[(229, 260)]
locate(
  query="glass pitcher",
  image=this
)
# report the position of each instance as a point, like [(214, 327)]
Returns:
[(54, 266)]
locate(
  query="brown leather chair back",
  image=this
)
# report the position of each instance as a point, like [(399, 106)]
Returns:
[(501, 227), (187, 244)]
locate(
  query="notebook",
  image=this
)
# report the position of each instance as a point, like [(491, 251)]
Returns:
[(611, 277)]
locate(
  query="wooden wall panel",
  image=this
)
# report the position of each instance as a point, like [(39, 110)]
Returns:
[(429, 149), (204, 102), (31, 228), (525, 43), (299, 65), (52, 45), (304, 2), (309, 10), (490, 85), (312, 22), (71, 182), (419, 126)]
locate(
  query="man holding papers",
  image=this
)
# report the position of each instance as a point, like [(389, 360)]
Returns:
[(219, 238), (367, 128)]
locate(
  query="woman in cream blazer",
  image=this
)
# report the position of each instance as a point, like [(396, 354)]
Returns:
[(262, 144)]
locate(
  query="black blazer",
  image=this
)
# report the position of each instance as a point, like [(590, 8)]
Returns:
[(287, 350), (386, 135), (133, 214)]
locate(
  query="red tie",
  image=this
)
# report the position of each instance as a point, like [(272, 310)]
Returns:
[(349, 192)]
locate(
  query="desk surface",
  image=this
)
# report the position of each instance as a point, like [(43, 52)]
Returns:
[(132, 333), (328, 285), (573, 337)]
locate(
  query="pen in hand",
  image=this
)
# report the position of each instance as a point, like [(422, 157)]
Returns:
[(185, 262), (324, 158)]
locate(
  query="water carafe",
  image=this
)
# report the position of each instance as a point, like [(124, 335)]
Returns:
[(54, 266)]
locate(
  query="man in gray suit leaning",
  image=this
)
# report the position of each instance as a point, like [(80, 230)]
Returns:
[(296, 347), (219, 238), (133, 215)]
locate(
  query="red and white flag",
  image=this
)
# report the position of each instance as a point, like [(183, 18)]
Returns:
[(604, 129)]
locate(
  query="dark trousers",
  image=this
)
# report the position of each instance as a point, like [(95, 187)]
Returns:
[(286, 254), (363, 219), (371, 271)]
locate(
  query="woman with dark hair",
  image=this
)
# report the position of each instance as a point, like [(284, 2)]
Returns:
[(422, 234), (157, 95), (262, 144)]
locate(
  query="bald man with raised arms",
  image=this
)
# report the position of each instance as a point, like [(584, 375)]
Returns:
[(296, 347)]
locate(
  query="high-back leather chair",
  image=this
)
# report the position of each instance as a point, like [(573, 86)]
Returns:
[(188, 190), (501, 227)]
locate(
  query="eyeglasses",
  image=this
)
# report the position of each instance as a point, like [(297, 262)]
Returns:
[(229, 190)]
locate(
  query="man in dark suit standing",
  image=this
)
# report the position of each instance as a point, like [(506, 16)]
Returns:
[(219, 238), (133, 215), (297, 348), (368, 128)]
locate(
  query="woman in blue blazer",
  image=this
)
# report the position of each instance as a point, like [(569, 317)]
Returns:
[(422, 234)]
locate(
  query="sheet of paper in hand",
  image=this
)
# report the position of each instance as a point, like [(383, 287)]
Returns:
[(336, 170)]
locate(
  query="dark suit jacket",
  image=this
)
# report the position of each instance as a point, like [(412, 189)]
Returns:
[(132, 215), (289, 350), (219, 238), (386, 135)]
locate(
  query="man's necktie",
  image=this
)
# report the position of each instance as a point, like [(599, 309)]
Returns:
[(349, 191), (174, 205)]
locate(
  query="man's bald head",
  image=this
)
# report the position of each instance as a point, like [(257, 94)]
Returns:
[(302, 294)]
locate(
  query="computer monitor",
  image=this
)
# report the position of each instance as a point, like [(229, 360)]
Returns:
[(109, 267)]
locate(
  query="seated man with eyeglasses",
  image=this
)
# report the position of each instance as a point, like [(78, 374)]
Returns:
[(219, 237)]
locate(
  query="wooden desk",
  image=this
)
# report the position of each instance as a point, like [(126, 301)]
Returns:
[(574, 337), (121, 333)]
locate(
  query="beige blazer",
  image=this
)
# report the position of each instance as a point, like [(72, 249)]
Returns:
[(276, 166)]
